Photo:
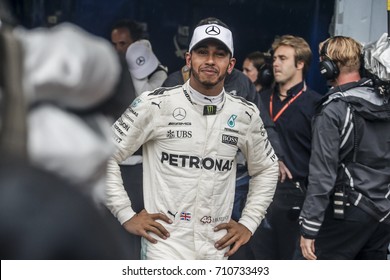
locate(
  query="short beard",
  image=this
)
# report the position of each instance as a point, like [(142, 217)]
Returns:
[(208, 84)]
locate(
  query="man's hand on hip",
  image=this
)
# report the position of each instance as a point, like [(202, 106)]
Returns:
[(237, 234), (143, 222)]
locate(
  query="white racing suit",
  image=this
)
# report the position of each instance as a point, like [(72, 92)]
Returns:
[(190, 168)]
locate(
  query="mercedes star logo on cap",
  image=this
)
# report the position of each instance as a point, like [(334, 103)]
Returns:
[(140, 60), (213, 30)]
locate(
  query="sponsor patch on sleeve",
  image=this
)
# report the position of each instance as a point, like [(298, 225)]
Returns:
[(229, 139)]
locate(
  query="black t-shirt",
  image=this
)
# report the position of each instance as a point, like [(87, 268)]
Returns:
[(294, 126)]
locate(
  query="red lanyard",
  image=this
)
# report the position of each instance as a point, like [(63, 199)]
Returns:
[(284, 107)]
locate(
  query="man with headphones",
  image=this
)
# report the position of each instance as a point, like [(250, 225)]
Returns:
[(328, 68), (257, 67), (346, 212)]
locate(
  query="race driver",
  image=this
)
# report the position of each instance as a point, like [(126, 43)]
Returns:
[(190, 136)]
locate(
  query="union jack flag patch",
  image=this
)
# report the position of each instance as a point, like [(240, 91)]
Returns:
[(185, 216)]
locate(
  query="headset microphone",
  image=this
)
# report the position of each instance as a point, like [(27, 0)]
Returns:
[(265, 76), (328, 68)]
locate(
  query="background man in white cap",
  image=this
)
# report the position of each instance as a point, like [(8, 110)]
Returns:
[(125, 32), (146, 71), (190, 136)]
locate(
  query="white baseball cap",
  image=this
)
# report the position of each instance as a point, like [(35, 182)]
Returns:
[(141, 60), (212, 31)]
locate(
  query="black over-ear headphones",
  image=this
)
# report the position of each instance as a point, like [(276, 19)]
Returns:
[(328, 68), (265, 75)]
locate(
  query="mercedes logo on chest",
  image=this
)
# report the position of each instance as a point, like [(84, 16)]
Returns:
[(213, 30), (179, 114), (140, 60)]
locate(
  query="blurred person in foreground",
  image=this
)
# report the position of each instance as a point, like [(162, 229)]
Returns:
[(60, 88), (70, 98)]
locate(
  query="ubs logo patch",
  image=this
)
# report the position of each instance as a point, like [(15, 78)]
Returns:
[(230, 140), (179, 134)]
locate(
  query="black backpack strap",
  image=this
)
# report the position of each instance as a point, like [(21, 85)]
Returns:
[(13, 131)]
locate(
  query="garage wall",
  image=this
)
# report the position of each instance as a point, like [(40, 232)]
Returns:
[(364, 20), (254, 23)]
